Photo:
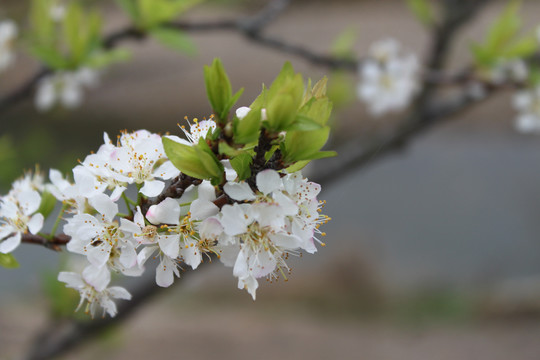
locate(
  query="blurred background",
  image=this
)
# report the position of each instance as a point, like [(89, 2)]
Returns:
[(432, 253)]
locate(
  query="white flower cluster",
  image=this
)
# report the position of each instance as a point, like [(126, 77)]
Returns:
[(18, 212), (65, 88), (388, 78), (254, 232), (8, 33), (527, 103)]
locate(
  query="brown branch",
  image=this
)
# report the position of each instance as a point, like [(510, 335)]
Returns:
[(54, 244)]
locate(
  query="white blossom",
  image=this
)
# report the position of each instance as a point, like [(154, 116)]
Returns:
[(65, 88), (276, 220), (17, 217), (509, 70), (388, 78), (92, 285), (527, 103), (8, 33)]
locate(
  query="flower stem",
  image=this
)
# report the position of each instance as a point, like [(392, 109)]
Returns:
[(57, 222), (128, 202)]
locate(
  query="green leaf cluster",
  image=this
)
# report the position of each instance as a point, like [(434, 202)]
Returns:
[(219, 90), (503, 40), (195, 160), (287, 123), (153, 16), (72, 42)]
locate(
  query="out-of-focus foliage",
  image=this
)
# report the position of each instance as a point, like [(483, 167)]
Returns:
[(503, 40)]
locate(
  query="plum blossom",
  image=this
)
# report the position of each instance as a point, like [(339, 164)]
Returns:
[(197, 130), (388, 78), (509, 70), (65, 88), (92, 285), (268, 225), (8, 33), (138, 158), (527, 103), (17, 217), (100, 239)]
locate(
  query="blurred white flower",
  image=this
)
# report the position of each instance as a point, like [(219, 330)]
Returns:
[(92, 286), (17, 217), (527, 103), (57, 11), (509, 70), (388, 78), (65, 88), (8, 33)]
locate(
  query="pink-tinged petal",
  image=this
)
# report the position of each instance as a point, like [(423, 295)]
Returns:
[(166, 212), (104, 205), (72, 280), (239, 191), (119, 292), (98, 277), (117, 192), (152, 188), (35, 224), (268, 181), (233, 220), (169, 245), (29, 201), (166, 171), (164, 272), (202, 209), (145, 254), (10, 243)]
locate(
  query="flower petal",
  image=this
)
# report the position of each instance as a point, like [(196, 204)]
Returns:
[(10, 243), (166, 212), (152, 188), (268, 181), (239, 191)]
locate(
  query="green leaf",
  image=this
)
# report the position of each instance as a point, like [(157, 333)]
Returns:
[(303, 145), (343, 46), (103, 59), (48, 201), (242, 165), (297, 166), (50, 56), (210, 162), (8, 261), (422, 10), (283, 106), (219, 90), (247, 130), (226, 149), (304, 123), (521, 48), (186, 159), (174, 39), (505, 27), (130, 8)]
